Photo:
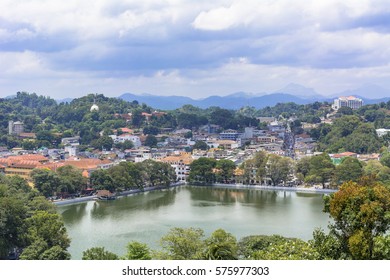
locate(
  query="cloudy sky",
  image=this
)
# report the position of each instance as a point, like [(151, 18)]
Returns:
[(193, 48)]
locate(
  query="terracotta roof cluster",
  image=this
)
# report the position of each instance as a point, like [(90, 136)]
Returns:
[(348, 98), (86, 163), (23, 161), (182, 157)]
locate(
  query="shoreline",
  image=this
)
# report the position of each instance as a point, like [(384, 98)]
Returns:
[(275, 188), (226, 186)]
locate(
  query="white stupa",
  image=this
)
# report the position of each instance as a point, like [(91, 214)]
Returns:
[(94, 107)]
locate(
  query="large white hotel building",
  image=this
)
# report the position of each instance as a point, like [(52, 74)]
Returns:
[(347, 101)]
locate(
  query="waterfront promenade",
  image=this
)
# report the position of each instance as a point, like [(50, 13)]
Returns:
[(226, 186)]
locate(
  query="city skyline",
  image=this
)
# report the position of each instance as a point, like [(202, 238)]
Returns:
[(195, 49)]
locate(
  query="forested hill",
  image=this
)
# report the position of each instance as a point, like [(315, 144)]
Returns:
[(352, 130)]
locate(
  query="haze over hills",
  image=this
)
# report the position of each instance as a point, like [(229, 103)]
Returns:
[(367, 91), (233, 101), (300, 91)]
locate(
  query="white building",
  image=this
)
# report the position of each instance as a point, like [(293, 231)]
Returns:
[(122, 138), (71, 150), (15, 128), (382, 131), (347, 101), (180, 162)]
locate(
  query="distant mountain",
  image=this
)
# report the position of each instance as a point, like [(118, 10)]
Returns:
[(368, 91), (234, 101), (158, 102), (367, 101), (65, 100), (10, 96), (300, 91)]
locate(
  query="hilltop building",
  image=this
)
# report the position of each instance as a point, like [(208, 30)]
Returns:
[(15, 128), (347, 101), (94, 107)]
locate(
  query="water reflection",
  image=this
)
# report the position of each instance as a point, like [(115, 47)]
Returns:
[(210, 196), (73, 213), (138, 202)]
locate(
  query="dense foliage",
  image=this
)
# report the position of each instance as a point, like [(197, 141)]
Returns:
[(29, 224)]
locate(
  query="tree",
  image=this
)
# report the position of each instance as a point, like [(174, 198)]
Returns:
[(200, 145), (137, 251), (101, 180), (188, 135), (46, 181), (350, 169), (46, 237), (182, 244), (361, 213), (275, 247), (127, 144), (151, 141), (321, 169), (288, 250), (279, 169), (103, 143), (153, 130), (157, 173), (225, 169), (255, 168), (202, 171), (99, 253), (385, 159), (222, 117), (303, 166), (221, 245), (71, 179), (13, 214), (49, 227)]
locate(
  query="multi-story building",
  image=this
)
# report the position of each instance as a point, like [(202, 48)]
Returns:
[(347, 101), (229, 134), (15, 128), (180, 162)]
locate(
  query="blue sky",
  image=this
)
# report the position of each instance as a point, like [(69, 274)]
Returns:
[(191, 48)]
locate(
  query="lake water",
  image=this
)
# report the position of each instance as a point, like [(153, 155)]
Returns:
[(146, 217)]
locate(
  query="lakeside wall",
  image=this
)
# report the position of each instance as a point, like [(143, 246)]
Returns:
[(227, 186)]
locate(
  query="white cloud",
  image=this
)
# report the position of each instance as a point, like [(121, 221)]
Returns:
[(192, 47)]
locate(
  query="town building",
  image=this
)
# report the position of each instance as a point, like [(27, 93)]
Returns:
[(229, 134), (382, 132), (180, 162), (15, 128), (22, 165), (347, 101)]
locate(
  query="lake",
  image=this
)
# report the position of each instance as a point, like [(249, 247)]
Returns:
[(146, 217)]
